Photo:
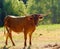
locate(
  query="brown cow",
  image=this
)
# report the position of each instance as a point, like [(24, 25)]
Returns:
[(27, 25)]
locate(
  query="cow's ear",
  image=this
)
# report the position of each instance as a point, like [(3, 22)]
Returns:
[(30, 18)]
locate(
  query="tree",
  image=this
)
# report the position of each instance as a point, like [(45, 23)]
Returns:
[(2, 14), (14, 9)]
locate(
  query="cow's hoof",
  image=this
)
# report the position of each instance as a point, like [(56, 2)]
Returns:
[(13, 44)]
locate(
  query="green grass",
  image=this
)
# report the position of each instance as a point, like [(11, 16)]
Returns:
[(49, 27), (1, 28)]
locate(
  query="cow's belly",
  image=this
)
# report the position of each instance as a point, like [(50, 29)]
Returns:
[(16, 29)]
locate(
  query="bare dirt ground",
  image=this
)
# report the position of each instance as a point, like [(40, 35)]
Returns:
[(41, 39)]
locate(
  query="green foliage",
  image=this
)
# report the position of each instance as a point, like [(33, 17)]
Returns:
[(0, 10), (33, 7), (14, 7)]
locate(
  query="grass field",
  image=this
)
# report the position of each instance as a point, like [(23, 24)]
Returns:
[(43, 35)]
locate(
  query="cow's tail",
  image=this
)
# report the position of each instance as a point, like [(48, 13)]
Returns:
[(5, 26), (4, 33)]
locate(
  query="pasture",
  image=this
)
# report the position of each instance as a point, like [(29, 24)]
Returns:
[(43, 35)]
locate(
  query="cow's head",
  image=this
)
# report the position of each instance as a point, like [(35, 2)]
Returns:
[(37, 17)]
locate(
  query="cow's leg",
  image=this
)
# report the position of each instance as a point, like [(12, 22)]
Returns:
[(10, 36), (30, 35), (6, 42), (25, 37), (6, 38)]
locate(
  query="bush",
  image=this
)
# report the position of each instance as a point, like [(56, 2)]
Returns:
[(14, 7)]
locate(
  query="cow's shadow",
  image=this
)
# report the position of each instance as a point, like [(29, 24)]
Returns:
[(29, 47), (4, 47)]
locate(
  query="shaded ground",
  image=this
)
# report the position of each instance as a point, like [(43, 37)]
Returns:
[(43, 38)]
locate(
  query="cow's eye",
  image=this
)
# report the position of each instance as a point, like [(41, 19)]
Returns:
[(40, 17), (31, 18)]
